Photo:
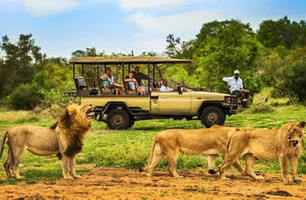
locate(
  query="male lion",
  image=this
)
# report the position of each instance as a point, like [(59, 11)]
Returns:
[(212, 141), (63, 138), (263, 144)]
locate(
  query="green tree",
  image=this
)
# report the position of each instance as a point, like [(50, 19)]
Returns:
[(173, 46), (286, 74), (282, 32), (88, 52), (20, 62), (222, 47)]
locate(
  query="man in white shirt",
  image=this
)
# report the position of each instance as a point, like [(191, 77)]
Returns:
[(235, 85), (164, 87)]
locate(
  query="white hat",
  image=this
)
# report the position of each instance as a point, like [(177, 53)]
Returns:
[(236, 71)]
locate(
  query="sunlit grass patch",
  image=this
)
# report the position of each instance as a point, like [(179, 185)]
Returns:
[(130, 148)]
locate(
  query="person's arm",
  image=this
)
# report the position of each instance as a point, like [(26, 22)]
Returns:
[(128, 79), (226, 79), (136, 83), (143, 76), (241, 85), (169, 89)]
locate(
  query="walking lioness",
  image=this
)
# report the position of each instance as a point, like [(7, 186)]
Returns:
[(169, 143), (63, 138), (263, 144)]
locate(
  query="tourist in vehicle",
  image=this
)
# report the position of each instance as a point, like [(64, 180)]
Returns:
[(133, 84), (165, 87), (109, 82), (235, 86), (139, 76)]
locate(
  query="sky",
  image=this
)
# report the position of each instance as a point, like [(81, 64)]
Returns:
[(60, 27)]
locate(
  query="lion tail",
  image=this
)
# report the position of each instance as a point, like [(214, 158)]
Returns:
[(151, 154), (3, 142)]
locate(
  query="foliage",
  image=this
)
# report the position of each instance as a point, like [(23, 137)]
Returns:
[(88, 52), (24, 96), (282, 32), (286, 74), (222, 48), (19, 64)]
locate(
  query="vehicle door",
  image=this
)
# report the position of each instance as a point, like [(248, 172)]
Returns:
[(171, 103)]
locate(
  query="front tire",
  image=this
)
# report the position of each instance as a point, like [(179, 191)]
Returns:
[(212, 115), (118, 119)]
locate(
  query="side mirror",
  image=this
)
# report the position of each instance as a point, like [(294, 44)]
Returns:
[(180, 89)]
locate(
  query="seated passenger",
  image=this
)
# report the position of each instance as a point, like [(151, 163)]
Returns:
[(236, 87), (108, 81), (164, 87), (133, 84)]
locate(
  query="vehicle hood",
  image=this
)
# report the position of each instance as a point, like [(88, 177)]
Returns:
[(209, 95)]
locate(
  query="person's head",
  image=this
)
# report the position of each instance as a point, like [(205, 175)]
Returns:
[(108, 70), (165, 82), (131, 75), (236, 73), (136, 69)]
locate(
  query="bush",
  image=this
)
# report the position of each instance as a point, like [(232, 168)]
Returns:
[(294, 81), (24, 96), (260, 108)]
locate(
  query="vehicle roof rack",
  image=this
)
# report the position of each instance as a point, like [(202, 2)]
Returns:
[(126, 60)]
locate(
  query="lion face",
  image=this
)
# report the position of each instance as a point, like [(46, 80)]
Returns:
[(88, 110), (295, 133)]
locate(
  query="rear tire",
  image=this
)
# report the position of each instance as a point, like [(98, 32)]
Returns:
[(212, 115), (118, 119)]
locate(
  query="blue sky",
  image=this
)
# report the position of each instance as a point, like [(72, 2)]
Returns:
[(63, 26)]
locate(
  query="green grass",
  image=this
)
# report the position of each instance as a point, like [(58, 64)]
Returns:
[(130, 148)]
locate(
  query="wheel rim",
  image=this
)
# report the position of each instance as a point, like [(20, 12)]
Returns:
[(117, 120), (212, 117)]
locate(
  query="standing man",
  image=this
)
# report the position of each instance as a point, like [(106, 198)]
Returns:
[(139, 76), (235, 85)]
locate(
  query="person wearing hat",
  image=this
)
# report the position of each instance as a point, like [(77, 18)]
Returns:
[(235, 86)]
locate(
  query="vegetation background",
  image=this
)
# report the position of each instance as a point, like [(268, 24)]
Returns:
[(272, 62)]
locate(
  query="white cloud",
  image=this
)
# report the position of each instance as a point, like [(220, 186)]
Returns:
[(48, 7), (142, 4), (176, 23)]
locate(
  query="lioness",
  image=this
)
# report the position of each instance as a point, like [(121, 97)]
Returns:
[(263, 144), (64, 137), (212, 141)]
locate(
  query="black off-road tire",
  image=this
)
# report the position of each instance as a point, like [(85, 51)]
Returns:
[(118, 119), (212, 115), (132, 122)]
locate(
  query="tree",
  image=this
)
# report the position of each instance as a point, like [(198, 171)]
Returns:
[(222, 47), (20, 62), (88, 52), (282, 32), (286, 74), (172, 49)]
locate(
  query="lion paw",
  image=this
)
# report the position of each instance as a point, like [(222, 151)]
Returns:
[(77, 176), (287, 180), (297, 180), (68, 177), (224, 178), (260, 178)]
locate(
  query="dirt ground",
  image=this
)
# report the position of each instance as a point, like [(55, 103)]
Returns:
[(110, 183)]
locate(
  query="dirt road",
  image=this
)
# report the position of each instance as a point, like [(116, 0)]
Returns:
[(110, 183)]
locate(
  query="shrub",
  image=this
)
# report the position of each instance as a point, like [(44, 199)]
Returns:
[(24, 96)]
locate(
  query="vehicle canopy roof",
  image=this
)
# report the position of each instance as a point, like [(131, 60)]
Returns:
[(127, 60)]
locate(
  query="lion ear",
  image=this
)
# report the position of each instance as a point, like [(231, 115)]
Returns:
[(72, 110), (302, 124)]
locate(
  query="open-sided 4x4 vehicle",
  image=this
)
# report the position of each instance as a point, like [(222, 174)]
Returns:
[(121, 111)]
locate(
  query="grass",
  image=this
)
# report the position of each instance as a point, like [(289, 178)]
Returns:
[(130, 148)]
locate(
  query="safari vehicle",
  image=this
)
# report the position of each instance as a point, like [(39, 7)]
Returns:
[(121, 111)]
